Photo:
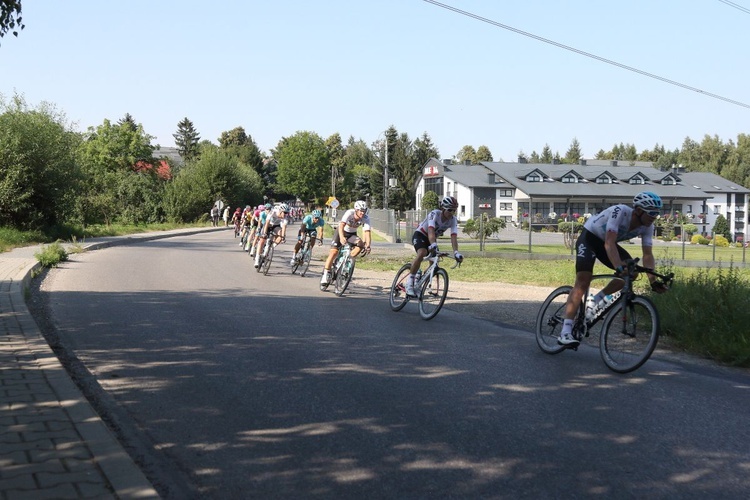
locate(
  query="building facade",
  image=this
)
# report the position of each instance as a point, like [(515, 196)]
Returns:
[(542, 193)]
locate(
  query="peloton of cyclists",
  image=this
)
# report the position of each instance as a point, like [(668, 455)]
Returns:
[(311, 224), (347, 232), (261, 223)]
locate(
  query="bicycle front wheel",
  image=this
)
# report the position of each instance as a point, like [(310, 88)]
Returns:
[(344, 276), (267, 260), (549, 321), (306, 257), (629, 334), (398, 297), (433, 294)]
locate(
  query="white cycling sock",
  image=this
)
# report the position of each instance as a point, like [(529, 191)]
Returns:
[(567, 326)]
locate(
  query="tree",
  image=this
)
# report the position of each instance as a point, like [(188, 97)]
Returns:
[(483, 154), (721, 227), (39, 179), (242, 146), (430, 201), (303, 165), (10, 17), (574, 154), (111, 157), (186, 139), (216, 174), (466, 153), (546, 156), (129, 122)]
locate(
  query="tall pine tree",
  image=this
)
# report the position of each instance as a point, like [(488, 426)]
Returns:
[(186, 139)]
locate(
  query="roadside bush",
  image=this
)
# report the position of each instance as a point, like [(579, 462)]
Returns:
[(707, 313), (51, 255), (721, 241), (698, 239)]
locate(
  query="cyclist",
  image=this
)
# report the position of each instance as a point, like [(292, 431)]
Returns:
[(253, 224), (236, 220), (427, 233), (599, 240), (261, 223), (275, 224), (312, 224), (347, 232)]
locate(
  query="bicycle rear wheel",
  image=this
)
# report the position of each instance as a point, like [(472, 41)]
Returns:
[(549, 321), (629, 334), (397, 296), (266, 265), (433, 294), (344, 276)]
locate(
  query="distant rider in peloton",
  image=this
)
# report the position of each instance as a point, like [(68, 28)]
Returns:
[(426, 235), (599, 240)]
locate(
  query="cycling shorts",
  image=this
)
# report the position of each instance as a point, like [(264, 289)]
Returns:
[(590, 247), (273, 229), (351, 238), (420, 240)]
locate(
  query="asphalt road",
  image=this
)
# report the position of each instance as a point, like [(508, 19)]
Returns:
[(225, 383)]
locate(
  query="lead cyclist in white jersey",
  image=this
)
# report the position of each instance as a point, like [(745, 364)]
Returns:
[(599, 240), (425, 237), (346, 233)]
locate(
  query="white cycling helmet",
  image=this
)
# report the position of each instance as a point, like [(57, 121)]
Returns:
[(647, 201), (284, 207), (449, 203), (360, 205)]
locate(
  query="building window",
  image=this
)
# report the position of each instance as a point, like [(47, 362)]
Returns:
[(463, 210), (534, 178), (668, 181), (434, 184), (505, 193), (636, 180), (717, 209), (505, 206), (603, 180), (569, 179)]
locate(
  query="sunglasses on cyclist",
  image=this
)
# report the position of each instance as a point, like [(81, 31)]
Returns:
[(652, 213)]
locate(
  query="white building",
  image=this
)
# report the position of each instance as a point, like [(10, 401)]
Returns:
[(541, 193)]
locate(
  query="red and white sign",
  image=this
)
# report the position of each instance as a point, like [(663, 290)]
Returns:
[(431, 171), (485, 205)]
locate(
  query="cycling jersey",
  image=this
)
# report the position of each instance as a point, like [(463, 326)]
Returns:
[(311, 225), (617, 219), (351, 224), (435, 219), (275, 219)]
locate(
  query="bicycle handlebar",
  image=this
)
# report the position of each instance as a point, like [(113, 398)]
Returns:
[(633, 267), (439, 255)]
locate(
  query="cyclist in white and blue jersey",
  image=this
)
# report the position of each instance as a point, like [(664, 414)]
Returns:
[(599, 240), (274, 226), (425, 237)]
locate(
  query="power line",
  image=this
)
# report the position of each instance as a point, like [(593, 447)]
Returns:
[(736, 6), (588, 54)]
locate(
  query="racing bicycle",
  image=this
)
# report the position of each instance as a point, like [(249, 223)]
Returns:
[(304, 256), (630, 328), (266, 257), (431, 286), (342, 270)]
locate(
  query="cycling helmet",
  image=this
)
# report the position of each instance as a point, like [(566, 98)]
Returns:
[(268, 206), (360, 205), (317, 214), (449, 203), (261, 207), (647, 200), (284, 207)]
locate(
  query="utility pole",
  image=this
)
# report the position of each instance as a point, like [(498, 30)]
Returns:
[(385, 176)]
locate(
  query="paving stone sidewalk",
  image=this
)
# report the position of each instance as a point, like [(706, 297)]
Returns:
[(52, 443)]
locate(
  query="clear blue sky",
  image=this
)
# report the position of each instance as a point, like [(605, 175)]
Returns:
[(356, 67)]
